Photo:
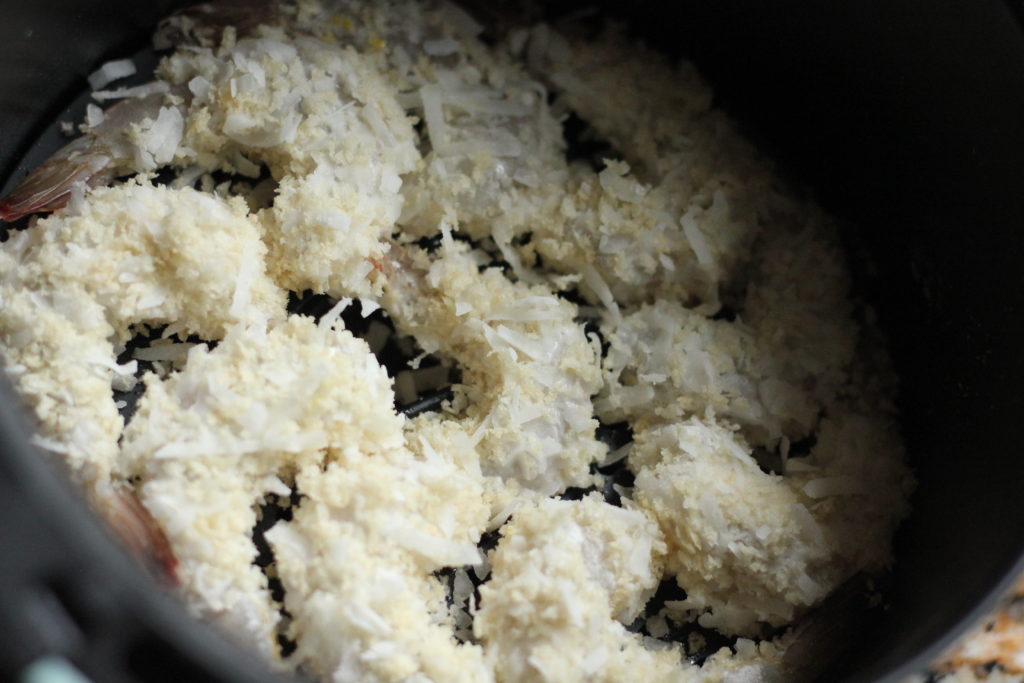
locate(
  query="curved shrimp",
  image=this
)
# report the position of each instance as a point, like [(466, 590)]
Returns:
[(774, 552), (49, 186), (111, 148), (713, 391), (570, 557), (119, 144), (73, 286), (528, 368), (322, 408), (291, 104)]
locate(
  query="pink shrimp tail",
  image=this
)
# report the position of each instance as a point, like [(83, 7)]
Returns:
[(141, 534), (204, 23), (49, 187)]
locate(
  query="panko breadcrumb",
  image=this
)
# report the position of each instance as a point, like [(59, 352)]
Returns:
[(563, 579), (74, 286), (528, 369), (667, 289)]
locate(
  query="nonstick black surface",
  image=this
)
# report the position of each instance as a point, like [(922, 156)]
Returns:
[(906, 118)]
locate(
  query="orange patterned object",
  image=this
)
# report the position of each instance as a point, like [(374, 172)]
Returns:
[(995, 645)]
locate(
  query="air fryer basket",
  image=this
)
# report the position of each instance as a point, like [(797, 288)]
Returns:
[(906, 118)]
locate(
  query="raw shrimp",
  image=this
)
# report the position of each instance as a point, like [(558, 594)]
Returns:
[(74, 287), (684, 176), (138, 530), (325, 122), (490, 143), (303, 107), (372, 131), (572, 562), (390, 516), (775, 370), (236, 440), (666, 362), (527, 366), (797, 543), (136, 135), (144, 130), (779, 375), (357, 564), (771, 523)]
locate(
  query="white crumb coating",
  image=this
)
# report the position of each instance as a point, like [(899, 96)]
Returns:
[(561, 575), (682, 223), (260, 396), (528, 369), (755, 556), (211, 441), (436, 433), (326, 123), (798, 304), (357, 561), (72, 401), (784, 370), (622, 234), (494, 148), (493, 152), (393, 152), (749, 546), (666, 362), (154, 255), (74, 286), (211, 537), (774, 370), (495, 164)]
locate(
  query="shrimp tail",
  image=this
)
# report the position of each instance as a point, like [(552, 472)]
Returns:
[(141, 534), (49, 187), (204, 23)]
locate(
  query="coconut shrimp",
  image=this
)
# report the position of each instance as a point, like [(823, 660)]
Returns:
[(240, 440), (251, 433), (493, 151), (487, 131), (77, 418), (357, 564), (774, 370), (393, 515), (570, 559), (96, 271), (711, 402), (667, 362), (796, 542), (135, 135), (703, 394), (395, 154), (698, 462), (527, 366), (329, 129), (76, 285), (141, 132), (300, 106), (687, 175)]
